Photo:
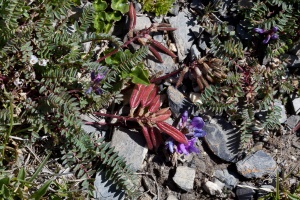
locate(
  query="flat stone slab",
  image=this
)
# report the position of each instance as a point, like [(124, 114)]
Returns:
[(183, 36), (227, 178), (184, 177), (222, 138), (130, 145), (292, 121), (105, 189), (257, 165)]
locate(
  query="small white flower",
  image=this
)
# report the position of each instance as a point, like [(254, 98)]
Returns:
[(33, 59), (43, 62)]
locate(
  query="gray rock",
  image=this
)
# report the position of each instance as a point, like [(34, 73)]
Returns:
[(195, 53), (283, 116), (155, 67), (219, 183), (292, 121), (262, 115), (138, 7), (296, 50), (291, 60), (142, 22), (244, 193), (172, 197), (158, 36), (257, 165), (197, 30), (296, 105), (174, 9), (202, 45), (158, 19), (186, 196), (93, 128), (212, 188), (105, 189), (182, 35), (229, 180), (130, 145), (184, 177), (222, 139)]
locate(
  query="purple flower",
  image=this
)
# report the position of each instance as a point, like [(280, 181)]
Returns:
[(187, 148), (197, 122), (259, 30), (267, 39), (184, 119), (95, 80), (170, 144), (269, 34)]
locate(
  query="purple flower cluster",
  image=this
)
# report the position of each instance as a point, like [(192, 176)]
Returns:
[(194, 128), (269, 34), (95, 80)]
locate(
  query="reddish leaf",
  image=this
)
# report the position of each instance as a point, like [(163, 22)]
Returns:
[(173, 132), (147, 137), (155, 104), (151, 96), (166, 29), (136, 95), (162, 117), (163, 48), (153, 138), (163, 24), (132, 17), (146, 94), (162, 111), (156, 54)]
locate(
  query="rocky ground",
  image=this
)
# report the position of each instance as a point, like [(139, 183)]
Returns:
[(220, 170)]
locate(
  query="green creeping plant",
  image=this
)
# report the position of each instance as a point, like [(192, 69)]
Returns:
[(107, 13)]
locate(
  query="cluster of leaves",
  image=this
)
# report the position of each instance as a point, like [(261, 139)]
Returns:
[(250, 87), (107, 13), (46, 57), (159, 7)]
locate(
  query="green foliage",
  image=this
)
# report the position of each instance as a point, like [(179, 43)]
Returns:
[(17, 187), (46, 59), (268, 14), (250, 87), (159, 7), (107, 13)]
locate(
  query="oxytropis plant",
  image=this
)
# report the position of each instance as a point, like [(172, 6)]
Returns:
[(145, 109), (193, 130)]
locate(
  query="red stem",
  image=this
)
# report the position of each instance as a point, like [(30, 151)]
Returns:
[(153, 80), (115, 116), (116, 50)]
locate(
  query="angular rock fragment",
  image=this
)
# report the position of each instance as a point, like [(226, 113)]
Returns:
[(257, 165), (184, 177)]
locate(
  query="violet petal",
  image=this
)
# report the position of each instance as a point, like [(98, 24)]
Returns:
[(275, 29), (259, 30), (184, 117), (197, 122), (200, 134), (267, 39), (274, 36)]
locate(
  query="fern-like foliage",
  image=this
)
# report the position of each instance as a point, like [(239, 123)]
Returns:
[(46, 57)]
